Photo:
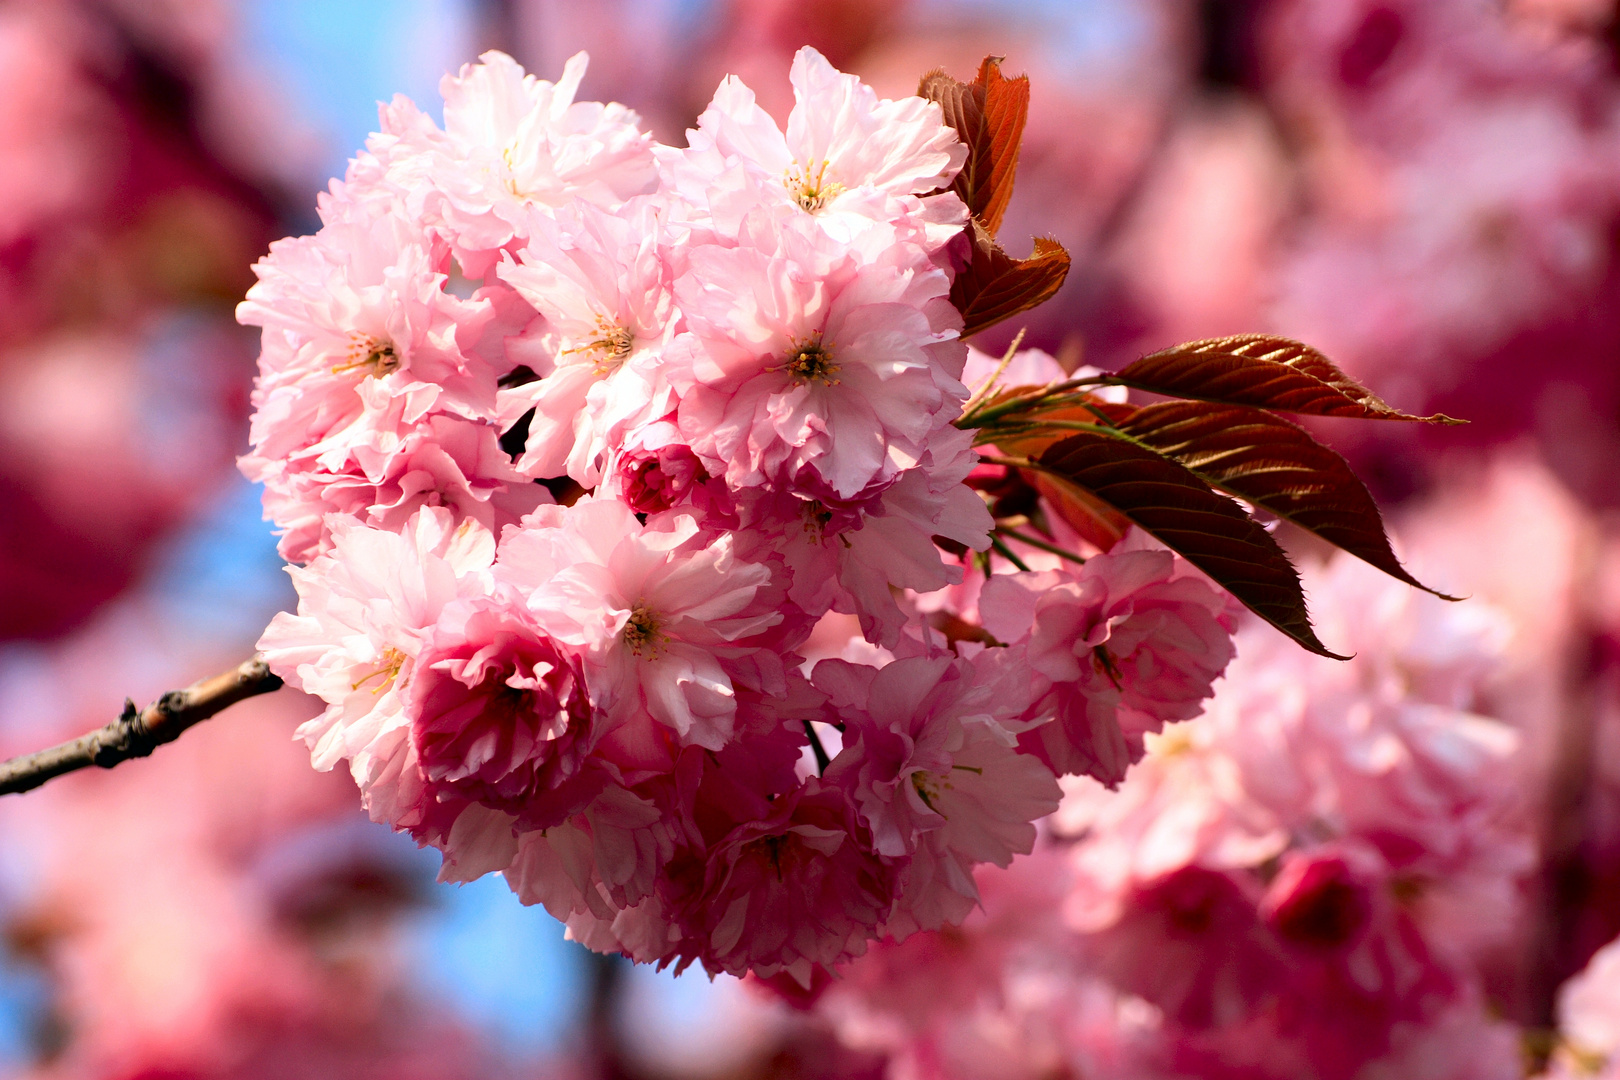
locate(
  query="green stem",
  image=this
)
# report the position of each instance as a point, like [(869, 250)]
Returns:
[(1062, 553), (1006, 553), (979, 416)]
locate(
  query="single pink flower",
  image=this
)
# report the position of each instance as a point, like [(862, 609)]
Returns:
[(847, 161), (520, 142), (366, 611), (1192, 944), (804, 356), (796, 887), (445, 462), (361, 342), (602, 287), (936, 777), (499, 713), (653, 610), (1127, 643)]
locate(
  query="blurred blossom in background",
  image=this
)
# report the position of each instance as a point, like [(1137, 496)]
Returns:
[(1427, 190)]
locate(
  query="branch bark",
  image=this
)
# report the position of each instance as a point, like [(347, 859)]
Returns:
[(137, 733)]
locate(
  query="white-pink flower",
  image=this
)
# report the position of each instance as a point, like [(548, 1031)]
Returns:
[(365, 612), (518, 142), (446, 461), (361, 341), (803, 355), (602, 287), (848, 159), (1128, 642), (652, 609)]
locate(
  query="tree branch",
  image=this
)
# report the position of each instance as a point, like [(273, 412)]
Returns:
[(137, 733)]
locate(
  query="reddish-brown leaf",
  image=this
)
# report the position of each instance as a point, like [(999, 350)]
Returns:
[(1271, 463), (1208, 529), (995, 286), (988, 114), (1095, 521), (1264, 371)]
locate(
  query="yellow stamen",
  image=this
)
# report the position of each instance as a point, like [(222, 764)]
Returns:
[(816, 519), (365, 351), (511, 180), (613, 343), (810, 361), (392, 661), (640, 631), (930, 786), (810, 187)]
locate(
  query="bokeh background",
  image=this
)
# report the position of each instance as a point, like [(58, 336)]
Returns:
[(1428, 190)]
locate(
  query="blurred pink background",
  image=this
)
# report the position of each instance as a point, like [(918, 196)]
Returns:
[(1427, 190)]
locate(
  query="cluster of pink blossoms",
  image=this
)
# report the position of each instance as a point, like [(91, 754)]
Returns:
[(1311, 880), (580, 438)]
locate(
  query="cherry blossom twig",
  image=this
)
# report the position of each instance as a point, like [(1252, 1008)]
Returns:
[(138, 732)]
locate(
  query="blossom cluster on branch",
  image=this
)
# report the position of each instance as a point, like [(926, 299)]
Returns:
[(1313, 879), (589, 445)]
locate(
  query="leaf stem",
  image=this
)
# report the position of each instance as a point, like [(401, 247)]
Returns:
[(979, 416), (1007, 553), (1044, 545)]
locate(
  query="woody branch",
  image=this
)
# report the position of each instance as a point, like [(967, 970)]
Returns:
[(137, 732)]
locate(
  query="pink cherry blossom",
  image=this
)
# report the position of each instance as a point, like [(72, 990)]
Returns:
[(603, 859), (515, 142), (652, 609), (1212, 964), (847, 159), (852, 555), (794, 888), (366, 611), (360, 340), (805, 356), (498, 712), (603, 289), (1127, 643), (657, 471), (444, 462), (936, 777)]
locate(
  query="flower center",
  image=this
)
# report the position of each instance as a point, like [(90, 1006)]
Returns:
[(1103, 661), (609, 348), (640, 631), (810, 187), (816, 519), (810, 361), (387, 670), (773, 846), (366, 353), (511, 176), (930, 786)]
